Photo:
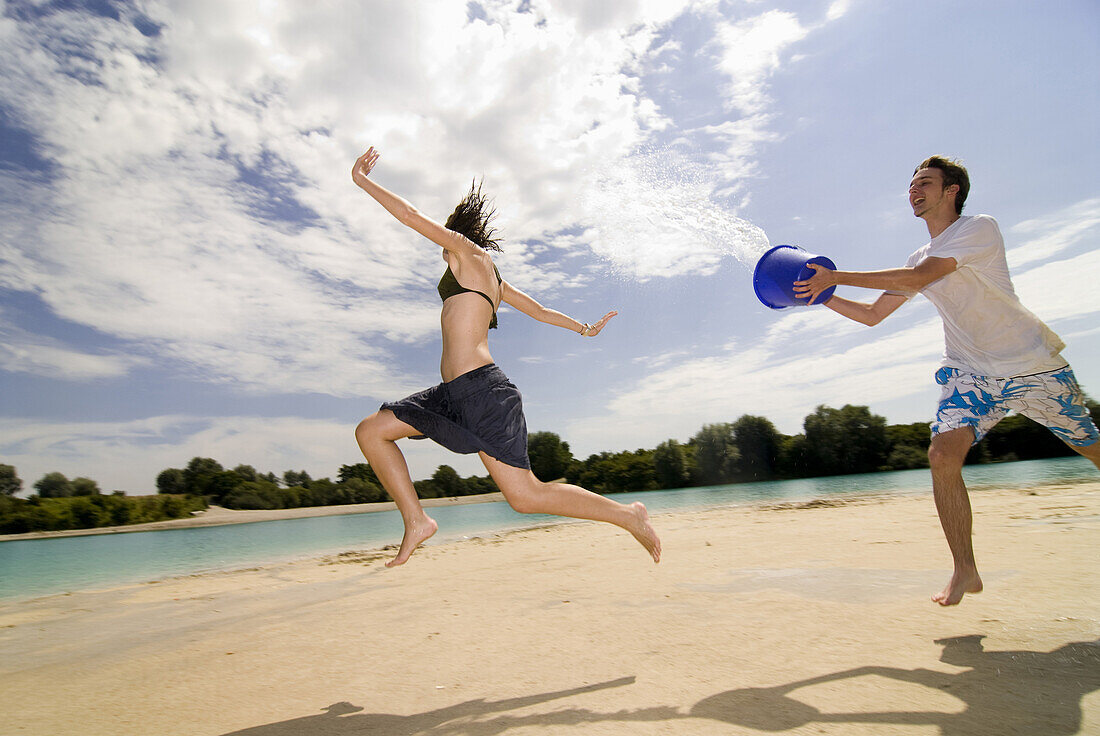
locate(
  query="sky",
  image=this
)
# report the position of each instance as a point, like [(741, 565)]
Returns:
[(186, 268)]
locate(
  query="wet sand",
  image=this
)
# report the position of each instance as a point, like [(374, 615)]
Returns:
[(789, 618)]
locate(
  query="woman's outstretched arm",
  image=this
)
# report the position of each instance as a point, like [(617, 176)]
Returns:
[(403, 210), (529, 306)]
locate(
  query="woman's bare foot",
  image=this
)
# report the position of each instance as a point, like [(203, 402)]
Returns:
[(643, 532), (961, 583), (415, 535)]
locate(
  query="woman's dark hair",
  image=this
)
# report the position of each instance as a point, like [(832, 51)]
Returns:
[(472, 217), (953, 173)]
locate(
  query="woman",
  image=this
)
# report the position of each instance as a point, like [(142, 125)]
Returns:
[(476, 408)]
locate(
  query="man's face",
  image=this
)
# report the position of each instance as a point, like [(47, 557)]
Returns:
[(927, 194)]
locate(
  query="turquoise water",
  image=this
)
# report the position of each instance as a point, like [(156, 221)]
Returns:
[(36, 567)]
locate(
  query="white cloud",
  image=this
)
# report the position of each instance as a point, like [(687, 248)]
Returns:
[(751, 52), (673, 211), (1062, 290), (837, 9), (1049, 235), (149, 229), (23, 352), (808, 357)]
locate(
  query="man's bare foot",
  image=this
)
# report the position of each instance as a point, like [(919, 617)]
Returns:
[(961, 583), (415, 535), (643, 532)]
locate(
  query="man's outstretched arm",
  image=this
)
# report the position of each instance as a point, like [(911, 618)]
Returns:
[(868, 314), (908, 279)]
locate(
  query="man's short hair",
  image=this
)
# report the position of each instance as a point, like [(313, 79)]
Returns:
[(953, 173)]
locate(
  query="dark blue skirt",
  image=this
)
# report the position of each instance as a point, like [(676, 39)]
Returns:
[(479, 411)]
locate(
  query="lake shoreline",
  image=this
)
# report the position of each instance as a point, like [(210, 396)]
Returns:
[(219, 516)]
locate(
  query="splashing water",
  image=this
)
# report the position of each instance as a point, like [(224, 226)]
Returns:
[(656, 215)]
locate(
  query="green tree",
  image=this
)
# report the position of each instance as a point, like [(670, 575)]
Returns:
[(916, 434), (296, 478), (362, 491), (27, 516), (87, 514), (631, 471), (54, 485), (171, 507), (219, 485), (794, 460), (550, 457), (672, 466), (447, 482), (171, 480), (259, 494), (426, 488), (362, 471), (118, 508), (197, 475), (323, 492), (10, 483), (619, 472), (53, 514), (908, 446), (246, 472), (846, 440), (478, 484), (758, 443), (85, 487), (716, 454), (906, 457)]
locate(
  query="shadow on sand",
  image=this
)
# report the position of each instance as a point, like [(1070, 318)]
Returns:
[(1013, 692), (344, 719), (1004, 693)]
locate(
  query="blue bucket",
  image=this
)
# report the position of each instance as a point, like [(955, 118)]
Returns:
[(778, 269)]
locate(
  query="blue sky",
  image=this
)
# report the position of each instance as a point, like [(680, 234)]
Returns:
[(186, 268)]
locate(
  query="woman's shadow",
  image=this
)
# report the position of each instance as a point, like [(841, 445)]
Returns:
[(1004, 692), (344, 719)]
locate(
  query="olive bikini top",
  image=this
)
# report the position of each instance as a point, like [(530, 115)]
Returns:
[(449, 286)]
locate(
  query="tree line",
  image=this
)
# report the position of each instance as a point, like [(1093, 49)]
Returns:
[(833, 442), (87, 511)]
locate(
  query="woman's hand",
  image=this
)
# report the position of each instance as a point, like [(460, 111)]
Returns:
[(364, 164), (812, 287), (594, 330)]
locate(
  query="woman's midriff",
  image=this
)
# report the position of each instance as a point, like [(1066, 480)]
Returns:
[(465, 325)]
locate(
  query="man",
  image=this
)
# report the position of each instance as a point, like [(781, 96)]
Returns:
[(998, 356)]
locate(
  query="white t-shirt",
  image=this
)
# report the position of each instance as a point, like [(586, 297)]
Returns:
[(986, 329)]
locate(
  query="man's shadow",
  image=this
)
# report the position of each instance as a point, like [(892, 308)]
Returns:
[(344, 719), (1015, 692)]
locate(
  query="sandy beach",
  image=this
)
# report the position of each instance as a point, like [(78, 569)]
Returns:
[(790, 619)]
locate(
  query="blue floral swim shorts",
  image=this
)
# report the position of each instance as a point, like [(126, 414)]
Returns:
[(1052, 399)]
